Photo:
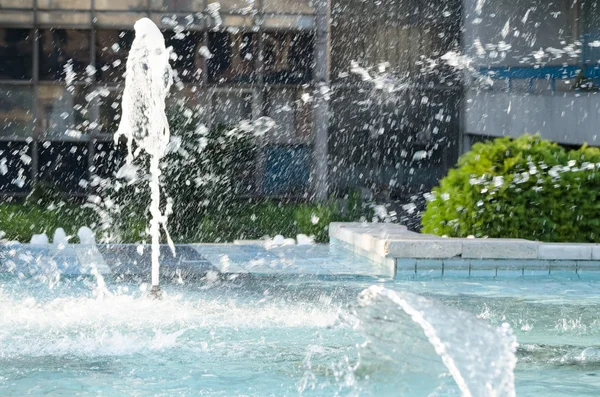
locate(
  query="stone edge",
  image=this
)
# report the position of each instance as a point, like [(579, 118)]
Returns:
[(413, 252)]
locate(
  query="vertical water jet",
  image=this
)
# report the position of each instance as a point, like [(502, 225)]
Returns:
[(148, 78)]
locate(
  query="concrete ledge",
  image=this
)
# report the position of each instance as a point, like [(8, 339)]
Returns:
[(565, 251), (499, 249), (596, 251), (421, 254), (423, 248), (385, 267)]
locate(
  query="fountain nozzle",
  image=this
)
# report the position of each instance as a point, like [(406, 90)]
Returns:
[(155, 292)]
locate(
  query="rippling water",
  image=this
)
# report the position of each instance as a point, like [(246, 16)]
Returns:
[(258, 337)]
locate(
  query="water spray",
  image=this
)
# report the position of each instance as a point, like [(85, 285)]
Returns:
[(147, 82)]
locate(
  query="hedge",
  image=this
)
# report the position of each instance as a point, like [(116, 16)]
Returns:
[(241, 220), (519, 188)]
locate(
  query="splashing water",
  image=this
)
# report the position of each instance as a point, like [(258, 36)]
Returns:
[(147, 82), (479, 357)]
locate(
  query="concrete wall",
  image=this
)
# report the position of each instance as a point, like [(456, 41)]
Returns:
[(511, 108), (531, 25), (569, 118)]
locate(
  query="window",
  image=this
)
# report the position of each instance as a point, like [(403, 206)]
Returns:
[(112, 48), (291, 114), (121, 4), (64, 111), (16, 3), (16, 104), (288, 57), (57, 47), (64, 164), (231, 58), (288, 6), (64, 4), (187, 47), (229, 108), (177, 5), (15, 167), (107, 159), (287, 170), (16, 54), (109, 111)]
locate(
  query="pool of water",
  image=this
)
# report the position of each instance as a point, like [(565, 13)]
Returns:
[(310, 336)]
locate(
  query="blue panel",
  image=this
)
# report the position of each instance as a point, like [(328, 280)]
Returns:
[(531, 72), (287, 170)]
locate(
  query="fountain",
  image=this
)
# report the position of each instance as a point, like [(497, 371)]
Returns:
[(144, 122), (223, 334)]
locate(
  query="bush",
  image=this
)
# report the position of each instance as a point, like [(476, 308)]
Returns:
[(519, 188), (255, 221), (314, 220), (19, 221), (239, 220)]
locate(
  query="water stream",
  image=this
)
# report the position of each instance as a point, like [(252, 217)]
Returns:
[(147, 82)]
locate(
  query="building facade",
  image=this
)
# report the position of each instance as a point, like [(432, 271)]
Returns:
[(296, 61), (535, 69), (61, 77)]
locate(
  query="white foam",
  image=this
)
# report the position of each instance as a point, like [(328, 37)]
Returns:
[(60, 237), (126, 323), (86, 236), (303, 239), (39, 239)]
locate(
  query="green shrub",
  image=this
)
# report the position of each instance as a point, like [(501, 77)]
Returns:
[(20, 221), (519, 188), (247, 221), (314, 220)]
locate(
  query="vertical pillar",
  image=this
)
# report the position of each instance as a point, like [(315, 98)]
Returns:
[(95, 111), (36, 134), (465, 38), (319, 178), (258, 101)]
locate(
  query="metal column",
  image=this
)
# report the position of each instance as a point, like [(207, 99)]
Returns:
[(319, 172)]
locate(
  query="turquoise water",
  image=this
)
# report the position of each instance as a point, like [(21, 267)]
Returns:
[(277, 336)]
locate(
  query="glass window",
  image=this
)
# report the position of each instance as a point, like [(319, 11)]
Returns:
[(15, 167), (16, 117), (64, 4), (16, 3), (229, 108), (232, 57), (65, 112), (287, 170), (16, 54), (112, 48), (192, 97), (121, 5), (57, 47), (288, 6), (280, 106), (239, 6), (288, 58), (109, 110), (62, 18), (113, 20), (64, 165), (107, 158), (187, 47), (177, 5), (291, 114), (16, 18)]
